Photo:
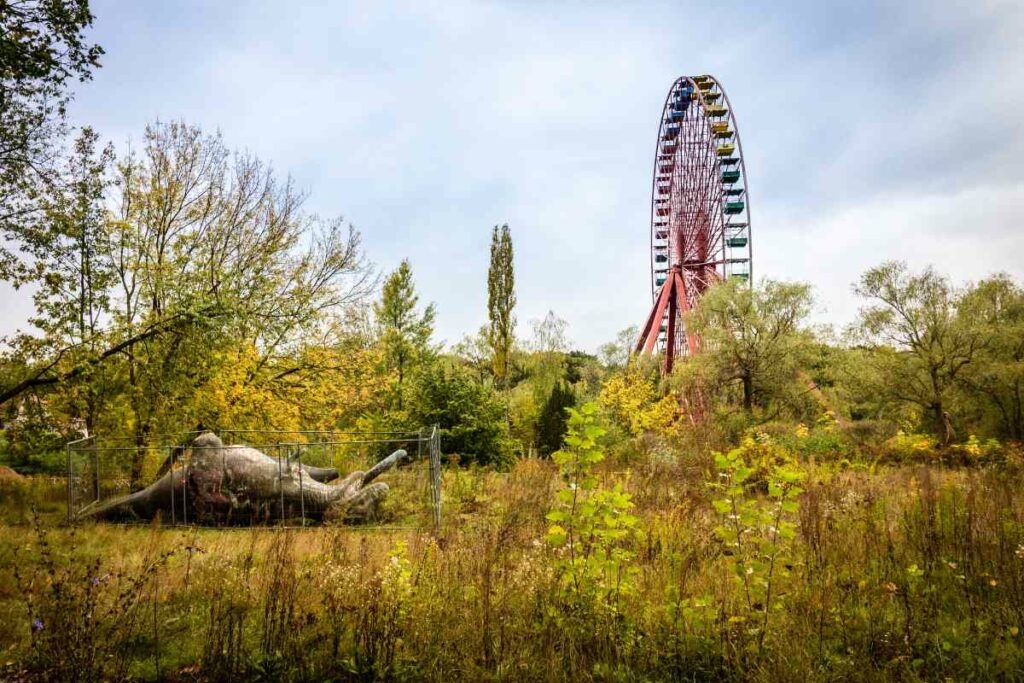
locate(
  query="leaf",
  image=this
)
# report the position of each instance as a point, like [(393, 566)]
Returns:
[(742, 473), (556, 535)]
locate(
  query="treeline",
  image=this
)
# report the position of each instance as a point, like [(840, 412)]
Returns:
[(181, 284), (923, 356)]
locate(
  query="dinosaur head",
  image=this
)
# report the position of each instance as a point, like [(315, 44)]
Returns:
[(207, 440)]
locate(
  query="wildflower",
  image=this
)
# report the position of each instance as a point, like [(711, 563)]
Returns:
[(993, 583), (37, 625), (1020, 552)]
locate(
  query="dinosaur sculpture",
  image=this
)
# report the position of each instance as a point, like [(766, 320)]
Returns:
[(239, 484)]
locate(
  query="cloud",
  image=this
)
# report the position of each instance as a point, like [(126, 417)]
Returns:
[(871, 130), (968, 235)]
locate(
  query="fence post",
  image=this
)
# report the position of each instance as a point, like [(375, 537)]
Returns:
[(174, 513), (280, 482), (435, 471), (302, 492), (184, 491), (96, 471), (67, 448)]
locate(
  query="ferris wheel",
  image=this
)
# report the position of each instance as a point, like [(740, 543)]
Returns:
[(700, 212)]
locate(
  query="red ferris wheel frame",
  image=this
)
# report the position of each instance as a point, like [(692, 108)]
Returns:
[(700, 212)]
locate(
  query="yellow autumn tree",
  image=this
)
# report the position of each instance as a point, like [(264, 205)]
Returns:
[(631, 398), (319, 387)]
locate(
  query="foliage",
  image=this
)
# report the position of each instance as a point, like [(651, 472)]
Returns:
[(404, 331), (501, 301), (43, 49), (923, 344), (327, 386), (759, 535), (632, 400), (203, 258), (471, 416), (616, 353), (995, 307), (475, 352), (554, 418), (751, 337), (590, 522)]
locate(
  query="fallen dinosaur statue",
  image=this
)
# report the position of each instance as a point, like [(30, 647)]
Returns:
[(239, 484)]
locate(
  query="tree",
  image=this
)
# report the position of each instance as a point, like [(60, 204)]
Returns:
[(922, 344), (501, 301), (546, 366), (74, 277), (631, 398), (42, 48), (404, 331), (751, 337), (475, 352), (615, 354), (554, 417), (549, 334), (206, 258), (995, 307), (470, 415)]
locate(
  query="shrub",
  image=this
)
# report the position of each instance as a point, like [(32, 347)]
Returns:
[(759, 535), (590, 522), (471, 415)]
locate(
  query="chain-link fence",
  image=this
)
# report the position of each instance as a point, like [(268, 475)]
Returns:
[(251, 477)]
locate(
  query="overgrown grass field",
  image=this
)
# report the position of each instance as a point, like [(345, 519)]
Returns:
[(689, 569)]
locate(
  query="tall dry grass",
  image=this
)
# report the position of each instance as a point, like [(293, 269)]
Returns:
[(909, 573)]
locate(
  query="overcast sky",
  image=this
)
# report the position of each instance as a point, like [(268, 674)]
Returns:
[(871, 131)]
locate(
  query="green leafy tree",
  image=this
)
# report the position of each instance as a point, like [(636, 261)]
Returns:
[(404, 330), (470, 415), (42, 50), (751, 337), (995, 307), (501, 302), (200, 253), (591, 522), (475, 352), (760, 534), (554, 417), (615, 354), (922, 345)]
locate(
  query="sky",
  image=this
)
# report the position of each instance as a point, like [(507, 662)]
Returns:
[(871, 131)]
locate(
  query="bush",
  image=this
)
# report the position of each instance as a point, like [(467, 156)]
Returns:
[(471, 416), (554, 418)]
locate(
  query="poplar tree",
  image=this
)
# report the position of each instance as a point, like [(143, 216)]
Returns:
[(501, 301), (404, 331)]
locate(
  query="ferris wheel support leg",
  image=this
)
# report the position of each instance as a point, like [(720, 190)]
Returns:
[(649, 335), (670, 347), (684, 308)]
